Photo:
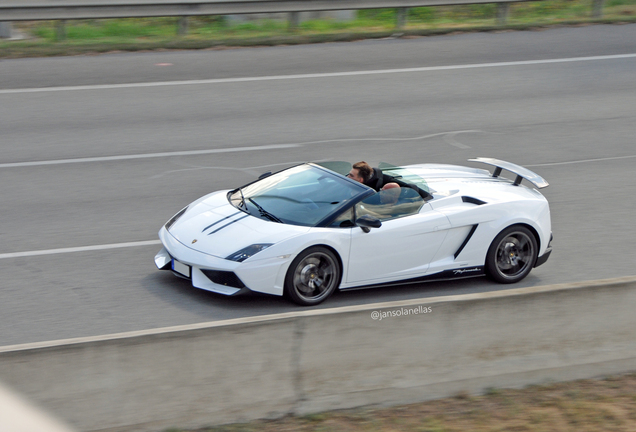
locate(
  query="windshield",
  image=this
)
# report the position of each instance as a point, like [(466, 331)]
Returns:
[(404, 175), (302, 195)]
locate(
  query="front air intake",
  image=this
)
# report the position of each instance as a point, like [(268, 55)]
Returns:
[(225, 278)]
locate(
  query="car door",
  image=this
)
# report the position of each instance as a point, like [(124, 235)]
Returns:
[(400, 249)]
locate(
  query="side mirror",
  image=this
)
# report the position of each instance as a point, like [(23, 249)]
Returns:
[(367, 222), (264, 175)]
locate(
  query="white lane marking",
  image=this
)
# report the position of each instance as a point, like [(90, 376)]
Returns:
[(450, 139), (582, 161), (314, 75), (147, 155), (221, 150), (79, 249), (254, 171)]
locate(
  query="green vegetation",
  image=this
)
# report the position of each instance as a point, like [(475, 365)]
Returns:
[(579, 406), (134, 34)]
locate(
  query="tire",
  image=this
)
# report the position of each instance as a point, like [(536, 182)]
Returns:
[(511, 255), (313, 276)]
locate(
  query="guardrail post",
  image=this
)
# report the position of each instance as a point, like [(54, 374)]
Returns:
[(294, 21), (597, 8), (401, 17), (503, 10), (5, 29), (60, 30), (182, 26)]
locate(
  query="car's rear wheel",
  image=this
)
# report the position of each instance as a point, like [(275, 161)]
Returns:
[(511, 255), (313, 276)]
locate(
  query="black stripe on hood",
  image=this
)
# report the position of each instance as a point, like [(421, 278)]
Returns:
[(219, 221), (228, 224)]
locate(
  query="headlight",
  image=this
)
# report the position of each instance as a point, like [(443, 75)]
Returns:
[(174, 218), (247, 252)]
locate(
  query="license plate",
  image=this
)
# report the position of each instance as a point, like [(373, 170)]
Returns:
[(181, 268)]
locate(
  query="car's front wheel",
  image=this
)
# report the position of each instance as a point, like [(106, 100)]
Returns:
[(313, 276), (511, 255)]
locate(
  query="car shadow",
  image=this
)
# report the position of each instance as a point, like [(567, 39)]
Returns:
[(427, 290), (180, 293)]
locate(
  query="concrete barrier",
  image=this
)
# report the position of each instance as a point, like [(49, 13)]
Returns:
[(316, 360)]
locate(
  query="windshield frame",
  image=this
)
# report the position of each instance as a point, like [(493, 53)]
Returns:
[(239, 196)]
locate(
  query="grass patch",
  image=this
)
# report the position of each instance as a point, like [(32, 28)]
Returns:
[(581, 406), (135, 34)]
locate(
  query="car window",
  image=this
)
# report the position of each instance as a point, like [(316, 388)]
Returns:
[(390, 204), (405, 175), (343, 220)]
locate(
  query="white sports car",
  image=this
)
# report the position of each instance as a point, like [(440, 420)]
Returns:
[(308, 230)]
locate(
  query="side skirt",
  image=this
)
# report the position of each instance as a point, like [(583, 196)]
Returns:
[(445, 275)]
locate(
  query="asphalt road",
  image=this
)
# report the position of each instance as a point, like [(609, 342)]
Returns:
[(98, 165)]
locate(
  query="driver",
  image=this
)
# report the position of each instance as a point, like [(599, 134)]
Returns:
[(372, 177), (375, 179)]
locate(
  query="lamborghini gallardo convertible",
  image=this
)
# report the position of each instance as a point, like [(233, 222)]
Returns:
[(309, 230)]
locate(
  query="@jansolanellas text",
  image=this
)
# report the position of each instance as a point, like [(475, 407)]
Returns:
[(419, 310)]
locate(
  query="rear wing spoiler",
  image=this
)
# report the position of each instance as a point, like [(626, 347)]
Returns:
[(521, 172)]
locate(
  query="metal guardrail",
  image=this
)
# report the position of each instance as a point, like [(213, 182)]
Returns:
[(33, 10), (30, 10)]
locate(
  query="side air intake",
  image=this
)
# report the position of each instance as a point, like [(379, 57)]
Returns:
[(468, 199), (470, 234)]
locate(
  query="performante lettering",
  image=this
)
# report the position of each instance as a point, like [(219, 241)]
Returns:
[(462, 271)]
